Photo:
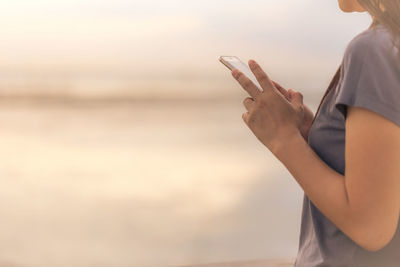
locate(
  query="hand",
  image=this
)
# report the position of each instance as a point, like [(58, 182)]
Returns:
[(308, 114), (270, 115)]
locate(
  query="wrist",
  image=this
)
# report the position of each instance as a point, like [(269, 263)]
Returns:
[(288, 146)]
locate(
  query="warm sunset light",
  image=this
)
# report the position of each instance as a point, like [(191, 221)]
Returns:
[(122, 142)]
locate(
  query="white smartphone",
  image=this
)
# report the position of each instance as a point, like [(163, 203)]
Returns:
[(232, 62)]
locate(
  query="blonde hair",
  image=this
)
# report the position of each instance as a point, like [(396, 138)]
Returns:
[(387, 13)]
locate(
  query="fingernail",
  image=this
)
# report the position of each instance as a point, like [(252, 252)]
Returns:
[(252, 63)]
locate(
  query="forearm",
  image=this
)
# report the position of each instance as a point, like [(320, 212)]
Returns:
[(324, 186)]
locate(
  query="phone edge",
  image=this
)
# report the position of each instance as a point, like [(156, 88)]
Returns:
[(221, 59)]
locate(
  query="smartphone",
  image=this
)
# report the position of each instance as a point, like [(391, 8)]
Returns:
[(232, 62)]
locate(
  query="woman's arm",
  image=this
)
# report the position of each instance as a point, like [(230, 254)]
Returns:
[(364, 203)]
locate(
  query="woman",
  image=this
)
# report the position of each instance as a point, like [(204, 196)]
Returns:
[(347, 158)]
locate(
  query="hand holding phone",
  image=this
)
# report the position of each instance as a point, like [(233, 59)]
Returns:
[(232, 62)]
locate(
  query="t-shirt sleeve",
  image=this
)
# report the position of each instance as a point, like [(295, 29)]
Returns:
[(370, 79)]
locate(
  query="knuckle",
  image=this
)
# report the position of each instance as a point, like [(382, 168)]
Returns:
[(262, 78), (247, 83), (250, 118), (245, 117), (300, 95), (299, 109), (262, 101)]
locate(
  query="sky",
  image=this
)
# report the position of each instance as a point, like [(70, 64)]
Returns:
[(176, 39)]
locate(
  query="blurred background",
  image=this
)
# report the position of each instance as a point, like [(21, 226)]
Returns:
[(122, 142)]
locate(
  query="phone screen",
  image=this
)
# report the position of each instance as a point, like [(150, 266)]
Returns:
[(233, 62)]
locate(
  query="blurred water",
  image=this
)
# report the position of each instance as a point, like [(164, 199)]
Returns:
[(140, 185), (122, 142)]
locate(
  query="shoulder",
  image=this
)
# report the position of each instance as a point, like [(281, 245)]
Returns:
[(371, 45)]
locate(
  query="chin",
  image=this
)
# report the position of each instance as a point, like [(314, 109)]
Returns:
[(345, 6)]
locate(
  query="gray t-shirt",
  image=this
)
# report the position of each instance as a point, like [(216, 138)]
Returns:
[(369, 78)]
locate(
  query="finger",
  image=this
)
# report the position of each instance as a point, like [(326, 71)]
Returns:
[(246, 83), (291, 93), (282, 90), (297, 99), (261, 76), (248, 103), (245, 117)]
